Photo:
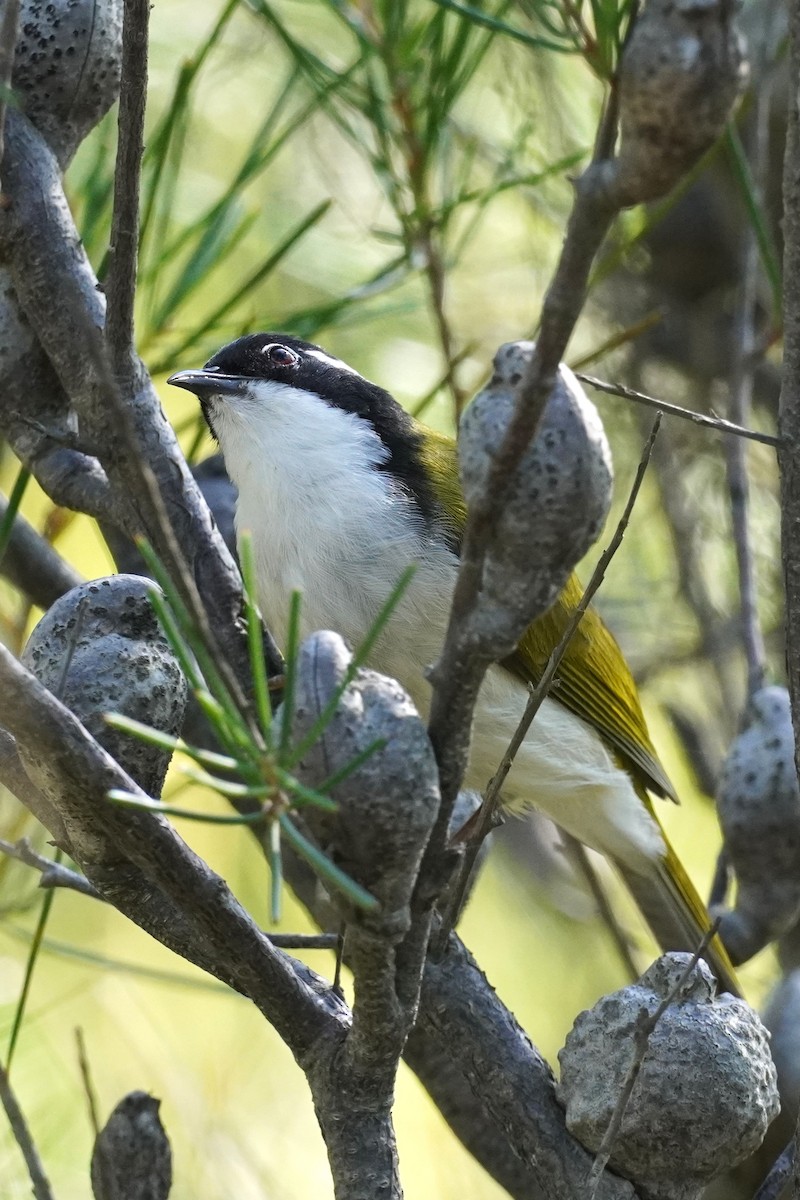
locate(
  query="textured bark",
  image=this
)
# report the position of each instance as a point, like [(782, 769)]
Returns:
[(789, 413)]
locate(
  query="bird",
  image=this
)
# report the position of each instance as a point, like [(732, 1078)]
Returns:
[(341, 490)]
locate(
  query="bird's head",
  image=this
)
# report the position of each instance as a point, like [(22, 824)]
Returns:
[(272, 397)]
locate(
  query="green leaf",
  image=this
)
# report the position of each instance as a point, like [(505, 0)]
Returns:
[(14, 501), (770, 259), (255, 640), (30, 966), (246, 289), (327, 871), (126, 799)]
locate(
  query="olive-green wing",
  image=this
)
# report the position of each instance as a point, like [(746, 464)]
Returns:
[(593, 681)]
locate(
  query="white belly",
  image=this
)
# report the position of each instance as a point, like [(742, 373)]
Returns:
[(563, 767)]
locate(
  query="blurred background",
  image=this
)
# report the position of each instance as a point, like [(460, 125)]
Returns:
[(392, 180)]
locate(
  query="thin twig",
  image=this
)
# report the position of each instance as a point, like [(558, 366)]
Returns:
[(22, 1136), (33, 565), (741, 394), (8, 44), (305, 941), (539, 693), (121, 280), (53, 874), (580, 856), (88, 1084), (645, 1027), (674, 410), (779, 1174)]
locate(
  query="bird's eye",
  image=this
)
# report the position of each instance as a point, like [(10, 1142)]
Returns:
[(280, 356)]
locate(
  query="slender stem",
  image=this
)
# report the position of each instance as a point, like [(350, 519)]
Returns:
[(22, 1136), (53, 874), (9, 26), (779, 1174), (88, 1084), (121, 281), (739, 407), (674, 410), (576, 851)]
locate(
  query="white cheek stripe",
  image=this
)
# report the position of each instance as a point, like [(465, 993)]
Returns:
[(330, 361)]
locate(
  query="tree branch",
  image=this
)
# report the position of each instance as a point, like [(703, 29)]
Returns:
[(33, 566), (492, 1086), (52, 874), (22, 1136), (9, 25), (675, 410), (789, 410), (76, 776), (516, 1119), (121, 279)]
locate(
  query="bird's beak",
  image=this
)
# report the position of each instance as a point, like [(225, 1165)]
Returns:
[(208, 383)]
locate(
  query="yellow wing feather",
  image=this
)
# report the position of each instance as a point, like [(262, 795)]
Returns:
[(593, 681)]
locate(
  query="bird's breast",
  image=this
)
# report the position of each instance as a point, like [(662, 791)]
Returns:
[(344, 549), (345, 554)]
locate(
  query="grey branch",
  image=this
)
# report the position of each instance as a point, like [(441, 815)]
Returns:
[(121, 279), (111, 844), (675, 410), (8, 41), (33, 566), (789, 411), (53, 874), (22, 1136), (490, 1083)]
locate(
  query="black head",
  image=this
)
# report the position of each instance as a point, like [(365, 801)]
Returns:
[(284, 359)]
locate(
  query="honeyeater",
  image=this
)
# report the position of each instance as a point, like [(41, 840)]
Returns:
[(340, 490)]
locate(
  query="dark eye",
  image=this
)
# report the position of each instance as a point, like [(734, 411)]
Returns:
[(280, 356)]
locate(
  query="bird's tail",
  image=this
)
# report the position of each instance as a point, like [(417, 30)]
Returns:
[(669, 902)]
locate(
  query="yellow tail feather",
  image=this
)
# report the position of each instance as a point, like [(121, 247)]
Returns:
[(670, 904)]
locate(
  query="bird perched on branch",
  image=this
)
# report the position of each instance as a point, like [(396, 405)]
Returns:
[(341, 490)]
